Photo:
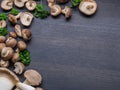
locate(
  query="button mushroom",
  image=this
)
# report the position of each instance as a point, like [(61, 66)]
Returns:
[(18, 30), (21, 45), (11, 42), (19, 68), (29, 75), (2, 45), (7, 4), (7, 53), (20, 3), (62, 1), (88, 7), (4, 64), (15, 57), (26, 18), (55, 10), (3, 24), (26, 34), (7, 79), (67, 11), (30, 5), (51, 2), (12, 34), (2, 39)]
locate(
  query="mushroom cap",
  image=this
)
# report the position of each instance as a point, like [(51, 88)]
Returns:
[(67, 11), (2, 45), (88, 7), (12, 19), (20, 3), (30, 5), (26, 34), (3, 24), (2, 39), (26, 18), (62, 1), (33, 77), (6, 4)]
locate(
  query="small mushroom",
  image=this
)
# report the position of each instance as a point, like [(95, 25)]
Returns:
[(20, 3), (12, 34), (2, 45), (19, 68), (22, 45), (67, 11), (7, 53), (26, 18), (26, 34), (4, 63), (55, 10), (2, 39), (51, 2), (38, 88), (15, 57), (11, 42), (18, 30), (6, 4), (62, 1), (30, 5), (29, 75), (3, 24), (12, 18), (88, 7), (7, 79)]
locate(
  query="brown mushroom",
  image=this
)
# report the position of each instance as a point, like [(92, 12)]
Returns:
[(2, 45), (12, 34), (62, 1), (22, 45), (67, 11), (12, 18), (20, 3), (15, 57), (4, 63), (18, 30), (6, 4), (3, 24), (51, 2), (26, 34), (2, 39), (88, 7), (11, 42), (30, 5), (38, 88)]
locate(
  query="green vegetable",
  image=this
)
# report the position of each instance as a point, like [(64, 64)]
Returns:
[(25, 57), (14, 11), (76, 3), (3, 31), (3, 16), (40, 11)]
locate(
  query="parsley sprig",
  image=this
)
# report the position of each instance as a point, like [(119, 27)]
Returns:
[(3, 31), (14, 11), (75, 2), (3, 16)]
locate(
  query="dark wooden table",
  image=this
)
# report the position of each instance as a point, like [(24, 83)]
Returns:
[(80, 54)]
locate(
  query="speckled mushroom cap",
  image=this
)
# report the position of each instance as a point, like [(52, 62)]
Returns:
[(30, 5), (33, 77), (6, 4)]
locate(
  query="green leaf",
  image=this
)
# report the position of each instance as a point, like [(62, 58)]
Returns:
[(14, 11), (3, 31), (76, 3), (3, 16)]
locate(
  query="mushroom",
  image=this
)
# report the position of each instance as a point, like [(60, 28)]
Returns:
[(2, 39), (2, 45), (11, 42), (29, 75), (7, 79), (88, 7), (22, 45), (3, 24), (55, 10), (7, 53), (30, 5), (20, 3), (15, 57), (18, 30), (67, 11), (39, 88), (26, 34), (26, 18), (12, 34), (4, 64), (19, 68), (62, 1), (51, 2), (7, 4)]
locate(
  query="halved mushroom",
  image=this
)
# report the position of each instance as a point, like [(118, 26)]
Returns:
[(7, 79), (20, 3), (26, 18), (4, 64), (30, 5), (3, 24), (67, 11), (7, 4), (55, 10), (88, 7), (18, 30)]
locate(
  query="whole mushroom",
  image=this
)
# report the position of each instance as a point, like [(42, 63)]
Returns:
[(67, 11), (62, 1), (88, 7), (3, 24), (51, 2), (2, 45), (7, 4), (11, 42), (4, 63), (26, 34), (18, 30), (2, 39), (15, 57), (20, 3), (12, 34), (21, 45), (30, 5)]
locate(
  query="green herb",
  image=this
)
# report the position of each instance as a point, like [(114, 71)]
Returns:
[(3, 16), (3, 31), (40, 11), (76, 3), (25, 57), (14, 11)]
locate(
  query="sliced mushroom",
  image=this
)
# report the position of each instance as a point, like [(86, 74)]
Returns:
[(55, 10), (6, 4), (4, 64), (2, 45), (88, 7), (26, 18), (29, 75), (21, 45), (19, 68), (20, 3), (26, 34), (12, 34), (7, 79), (7, 53), (3, 24), (67, 11), (15, 57), (30, 5), (18, 30), (11, 42)]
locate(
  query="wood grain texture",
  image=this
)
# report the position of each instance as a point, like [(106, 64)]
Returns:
[(80, 54)]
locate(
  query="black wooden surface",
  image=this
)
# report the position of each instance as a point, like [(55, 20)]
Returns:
[(80, 54)]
